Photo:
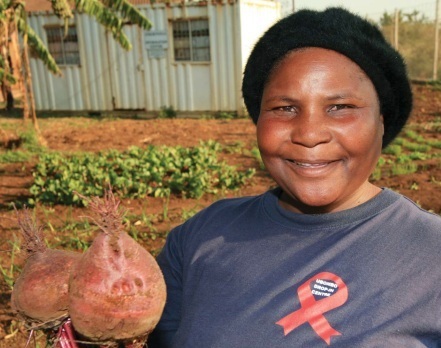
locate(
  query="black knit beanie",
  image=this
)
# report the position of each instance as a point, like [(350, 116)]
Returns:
[(339, 30)]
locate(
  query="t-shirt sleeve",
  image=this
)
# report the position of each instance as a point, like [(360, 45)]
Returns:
[(170, 262)]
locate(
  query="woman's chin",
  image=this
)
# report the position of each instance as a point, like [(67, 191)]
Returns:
[(309, 203)]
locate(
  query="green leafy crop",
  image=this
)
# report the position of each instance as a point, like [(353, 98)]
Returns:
[(153, 171)]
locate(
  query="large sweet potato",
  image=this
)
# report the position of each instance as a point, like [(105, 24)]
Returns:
[(116, 291), (39, 295)]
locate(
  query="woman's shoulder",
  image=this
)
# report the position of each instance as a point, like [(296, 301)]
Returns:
[(410, 215), (414, 209)]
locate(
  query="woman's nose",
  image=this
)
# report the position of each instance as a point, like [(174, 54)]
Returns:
[(310, 129)]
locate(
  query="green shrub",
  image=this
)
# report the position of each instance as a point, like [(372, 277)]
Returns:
[(224, 115), (392, 149), (167, 112)]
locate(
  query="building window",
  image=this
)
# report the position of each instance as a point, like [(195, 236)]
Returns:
[(64, 48), (191, 40)]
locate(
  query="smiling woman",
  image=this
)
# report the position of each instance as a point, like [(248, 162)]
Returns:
[(321, 258), (320, 131)]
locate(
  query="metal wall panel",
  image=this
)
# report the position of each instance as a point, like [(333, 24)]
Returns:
[(95, 79), (156, 70), (81, 87)]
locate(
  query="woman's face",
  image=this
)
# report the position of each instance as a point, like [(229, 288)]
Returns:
[(320, 131)]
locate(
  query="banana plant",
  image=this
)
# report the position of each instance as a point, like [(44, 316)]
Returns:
[(111, 14)]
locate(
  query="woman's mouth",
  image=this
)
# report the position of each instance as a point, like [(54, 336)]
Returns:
[(314, 168), (310, 164)]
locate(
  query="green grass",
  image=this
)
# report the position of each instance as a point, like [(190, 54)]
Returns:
[(435, 143), (414, 136), (17, 156), (417, 147), (11, 272), (403, 169), (28, 148), (407, 153)]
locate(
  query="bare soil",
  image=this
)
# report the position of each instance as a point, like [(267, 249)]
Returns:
[(87, 134)]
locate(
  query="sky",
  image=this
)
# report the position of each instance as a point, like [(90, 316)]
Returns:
[(373, 9)]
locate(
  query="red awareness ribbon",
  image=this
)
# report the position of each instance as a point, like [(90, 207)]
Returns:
[(312, 310)]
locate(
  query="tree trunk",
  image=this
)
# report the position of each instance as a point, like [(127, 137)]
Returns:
[(14, 55), (28, 97), (9, 100), (9, 95), (29, 92), (4, 46)]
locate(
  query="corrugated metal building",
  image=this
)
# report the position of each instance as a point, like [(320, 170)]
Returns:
[(192, 59)]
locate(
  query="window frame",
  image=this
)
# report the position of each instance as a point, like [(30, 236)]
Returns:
[(190, 39), (64, 52)]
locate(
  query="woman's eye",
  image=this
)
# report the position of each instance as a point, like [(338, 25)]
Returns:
[(340, 107), (285, 110)]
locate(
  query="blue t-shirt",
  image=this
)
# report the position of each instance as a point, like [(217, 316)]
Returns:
[(247, 273)]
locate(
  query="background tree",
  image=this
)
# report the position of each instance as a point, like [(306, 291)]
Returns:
[(111, 14)]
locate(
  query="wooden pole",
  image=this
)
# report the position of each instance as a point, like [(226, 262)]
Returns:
[(435, 55), (396, 27)]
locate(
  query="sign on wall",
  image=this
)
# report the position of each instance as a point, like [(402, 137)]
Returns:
[(156, 42)]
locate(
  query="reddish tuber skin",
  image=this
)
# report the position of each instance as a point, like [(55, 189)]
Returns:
[(40, 295), (116, 291)]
